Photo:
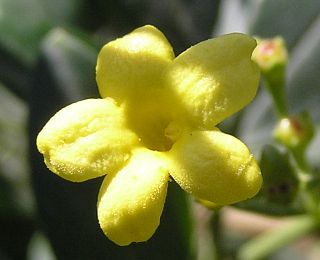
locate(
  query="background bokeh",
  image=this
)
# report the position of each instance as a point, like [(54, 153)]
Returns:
[(48, 51)]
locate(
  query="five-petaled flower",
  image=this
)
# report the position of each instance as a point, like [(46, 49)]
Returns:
[(157, 118)]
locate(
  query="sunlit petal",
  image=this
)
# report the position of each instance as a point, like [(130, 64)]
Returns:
[(214, 166), (214, 79), (86, 139), (131, 201), (132, 66)]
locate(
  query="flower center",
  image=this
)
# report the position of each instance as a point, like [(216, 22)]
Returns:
[(155, 132), (157, 137)]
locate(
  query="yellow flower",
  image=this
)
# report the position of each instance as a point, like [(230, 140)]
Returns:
[(157, 119)]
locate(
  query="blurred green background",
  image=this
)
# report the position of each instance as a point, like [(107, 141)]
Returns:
[(48, 51)]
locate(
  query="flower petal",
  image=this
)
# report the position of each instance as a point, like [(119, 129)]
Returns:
[(214, 79), (214, 166), (131, 201), (86, 139), (131, 67), (130, 70)]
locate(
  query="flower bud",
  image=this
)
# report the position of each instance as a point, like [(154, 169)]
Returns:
[(270, 53), (295, 132), (271, 56)]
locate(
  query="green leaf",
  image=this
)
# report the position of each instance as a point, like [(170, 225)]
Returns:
[(278, 195), (61, 12), (39, 248), (14, 171), (275, 17), (280, 184), (16, 201), (71, 61), (22, 25), (14, 74)]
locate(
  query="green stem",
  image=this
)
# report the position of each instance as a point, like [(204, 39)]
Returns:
[(301, 161), (305, 176), (216, 232), (273, 240), (275, 83)]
